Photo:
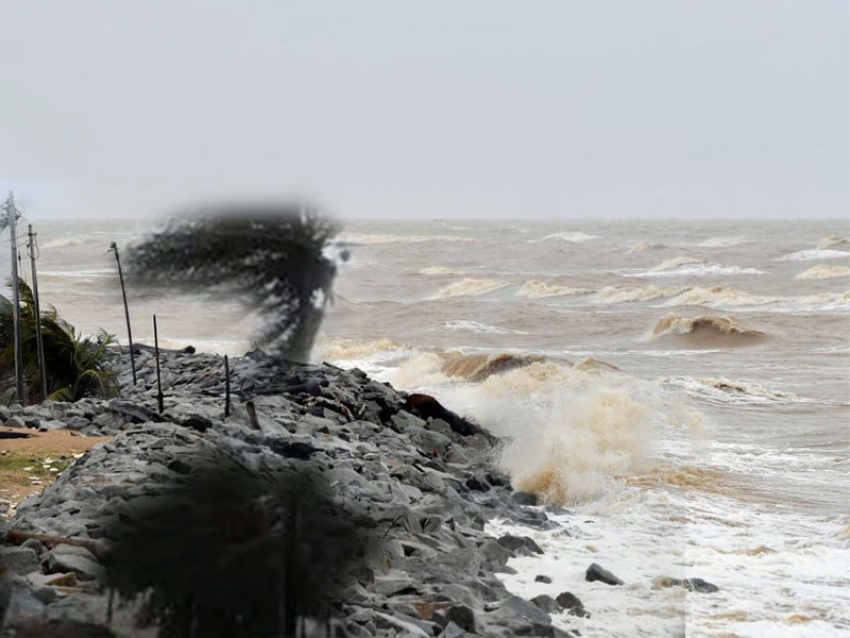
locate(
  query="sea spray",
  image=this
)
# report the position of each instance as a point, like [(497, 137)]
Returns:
[(571, 433)]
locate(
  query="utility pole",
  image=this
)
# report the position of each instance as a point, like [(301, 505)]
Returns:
[(11, 220), (114, 248), (32, 250)]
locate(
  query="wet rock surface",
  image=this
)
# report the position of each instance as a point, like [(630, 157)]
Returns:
[(422, 476), (598, 573)]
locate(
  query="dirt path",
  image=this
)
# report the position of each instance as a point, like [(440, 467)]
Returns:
[(33, 459)]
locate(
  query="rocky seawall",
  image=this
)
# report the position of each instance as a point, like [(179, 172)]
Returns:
[(420, 475)]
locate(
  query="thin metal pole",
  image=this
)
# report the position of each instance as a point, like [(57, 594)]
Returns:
[(226, 387), (16, 298), (114, 248), (158, 381), (42, 368)]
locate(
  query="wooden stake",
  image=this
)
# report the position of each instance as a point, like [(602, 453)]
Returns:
[(158, 380), (252, 414), (226, 387), (114, 248)]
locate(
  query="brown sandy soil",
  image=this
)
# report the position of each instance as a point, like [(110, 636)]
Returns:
[(29, 463)]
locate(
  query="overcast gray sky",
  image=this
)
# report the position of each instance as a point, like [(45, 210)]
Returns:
[(657, 108)]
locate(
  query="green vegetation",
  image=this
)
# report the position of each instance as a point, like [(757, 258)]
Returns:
[(20, 466), (76, 366)]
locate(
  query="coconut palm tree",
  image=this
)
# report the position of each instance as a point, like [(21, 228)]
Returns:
[(76, 366), (275, 258)]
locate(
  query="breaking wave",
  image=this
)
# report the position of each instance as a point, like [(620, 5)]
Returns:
[(477, 367), (365, 238), (704, 331), (644, 246), (538, 289), (675, 262), (480, 328), (824, 272), (340, 349), (812, 254), (440, 270), (717, 295), (833, 240), (470, 287), (722, 242), (725, 391), (575, 237), (720, 296), (570, 432), (65, 242), (590, 363), (617, 294), (692, 266), (81, 274)]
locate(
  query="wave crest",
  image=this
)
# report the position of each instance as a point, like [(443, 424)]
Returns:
[(569, 433), (617, 294), (470, 287), (704, 331), (725, 391), (723, 242), (478, 367), (478, 327), (833, 240), (575, 237), (536, 289), (439, 270), (824, 272), (812, 254), (367, 238), (644, 246)]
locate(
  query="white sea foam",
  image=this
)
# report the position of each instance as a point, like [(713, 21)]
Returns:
[(470, 287), (812, 254)]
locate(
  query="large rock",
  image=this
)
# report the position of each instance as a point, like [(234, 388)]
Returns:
[(463, 617), (20, 560), (572, 604), (71, 558), (520, 545), (597, 573), (546, 603)]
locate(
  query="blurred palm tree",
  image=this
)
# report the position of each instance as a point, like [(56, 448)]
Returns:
[(230, 551), (76, 366), (278, 259)]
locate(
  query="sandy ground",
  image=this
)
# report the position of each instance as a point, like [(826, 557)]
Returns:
[(30, 462)]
